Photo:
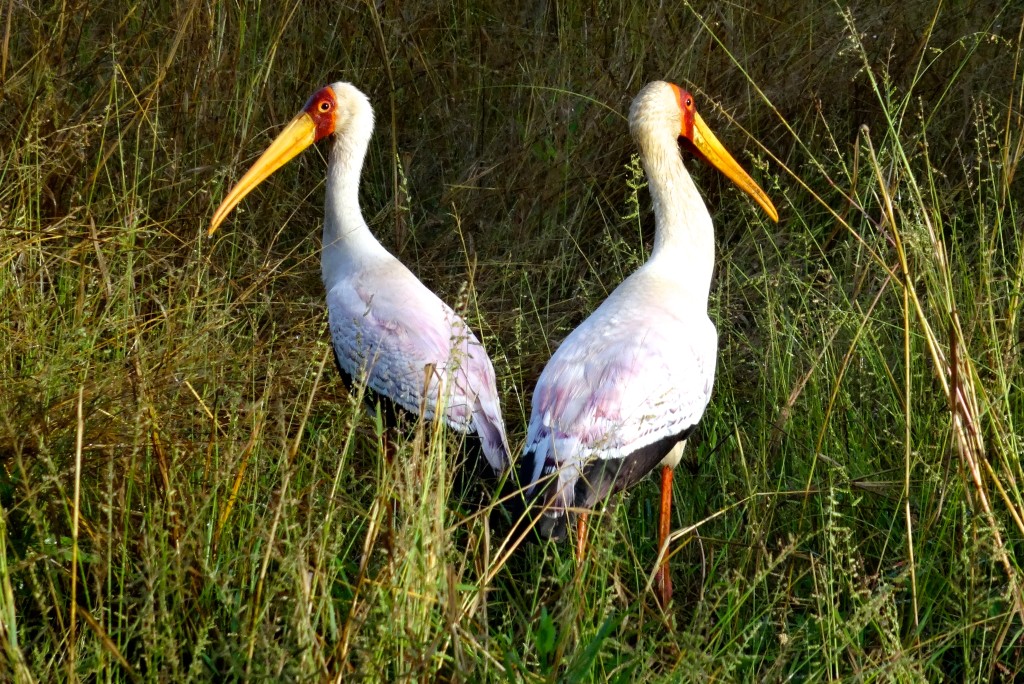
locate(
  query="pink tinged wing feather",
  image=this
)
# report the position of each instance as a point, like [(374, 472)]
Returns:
[(626, 378), (387, 327)]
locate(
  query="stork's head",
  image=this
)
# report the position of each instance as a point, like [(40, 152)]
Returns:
[(339, 109), (662, 108)]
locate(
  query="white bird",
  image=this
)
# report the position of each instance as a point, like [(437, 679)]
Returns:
[(387, 328), (627, 387)]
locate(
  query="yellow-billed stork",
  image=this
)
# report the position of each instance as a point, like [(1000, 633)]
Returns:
[(387, 328), (627, 387)]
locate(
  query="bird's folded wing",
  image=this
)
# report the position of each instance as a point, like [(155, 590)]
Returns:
[(390, 340), (616, 393)]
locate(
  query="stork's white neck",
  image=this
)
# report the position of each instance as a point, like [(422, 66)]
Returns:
[(348, 242), (684, 240)]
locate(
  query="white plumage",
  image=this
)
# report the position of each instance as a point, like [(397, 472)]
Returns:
[(625, 389), (629, 376), (387, 328)]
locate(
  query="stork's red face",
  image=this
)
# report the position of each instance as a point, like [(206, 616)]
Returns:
[(699, 139), (322, 107), (685, 101), (315, 122), (688, 114)]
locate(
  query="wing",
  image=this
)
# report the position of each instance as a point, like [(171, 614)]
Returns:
[(387, 327), (626, 379)]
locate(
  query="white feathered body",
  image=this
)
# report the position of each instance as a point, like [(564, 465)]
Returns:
[(629, 376), (386, 326), (624, 389)]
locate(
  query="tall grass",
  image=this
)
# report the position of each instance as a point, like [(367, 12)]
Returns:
[(188, 492)]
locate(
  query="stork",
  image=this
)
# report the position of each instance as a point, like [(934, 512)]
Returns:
[(625, 390), (388, 330)]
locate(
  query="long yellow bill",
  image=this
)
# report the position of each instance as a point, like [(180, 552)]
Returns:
[(299, 134), (708, 145)]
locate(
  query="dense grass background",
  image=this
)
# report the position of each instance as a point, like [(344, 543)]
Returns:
[(188, 493)]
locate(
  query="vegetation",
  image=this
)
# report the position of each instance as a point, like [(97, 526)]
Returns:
[(188, 493)]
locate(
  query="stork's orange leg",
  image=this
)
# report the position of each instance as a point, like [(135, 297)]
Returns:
[(661, 578), (581, 536)]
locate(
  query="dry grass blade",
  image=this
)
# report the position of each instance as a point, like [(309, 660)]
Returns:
[(16, 664), (108, 644), (247, 452), (72, 608)]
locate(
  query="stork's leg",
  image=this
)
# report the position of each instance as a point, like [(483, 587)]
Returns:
[(661, 578), (581, 536)]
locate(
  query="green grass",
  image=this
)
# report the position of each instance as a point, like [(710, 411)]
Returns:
[(188, 493)]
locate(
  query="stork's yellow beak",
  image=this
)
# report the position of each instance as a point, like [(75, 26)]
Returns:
[(708, 145), (299, 134)]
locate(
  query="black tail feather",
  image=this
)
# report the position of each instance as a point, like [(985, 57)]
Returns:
[(532, 517)]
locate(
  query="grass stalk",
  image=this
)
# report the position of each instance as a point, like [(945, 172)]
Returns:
[(73, 606)]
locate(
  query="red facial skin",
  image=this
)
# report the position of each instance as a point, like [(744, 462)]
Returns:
[(322, 107), (686, 107), (688, 111)]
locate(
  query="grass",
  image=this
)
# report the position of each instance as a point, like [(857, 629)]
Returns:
[(188, 492)]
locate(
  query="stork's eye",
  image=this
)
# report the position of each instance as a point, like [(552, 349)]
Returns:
[(325, 106), (689, 102)]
